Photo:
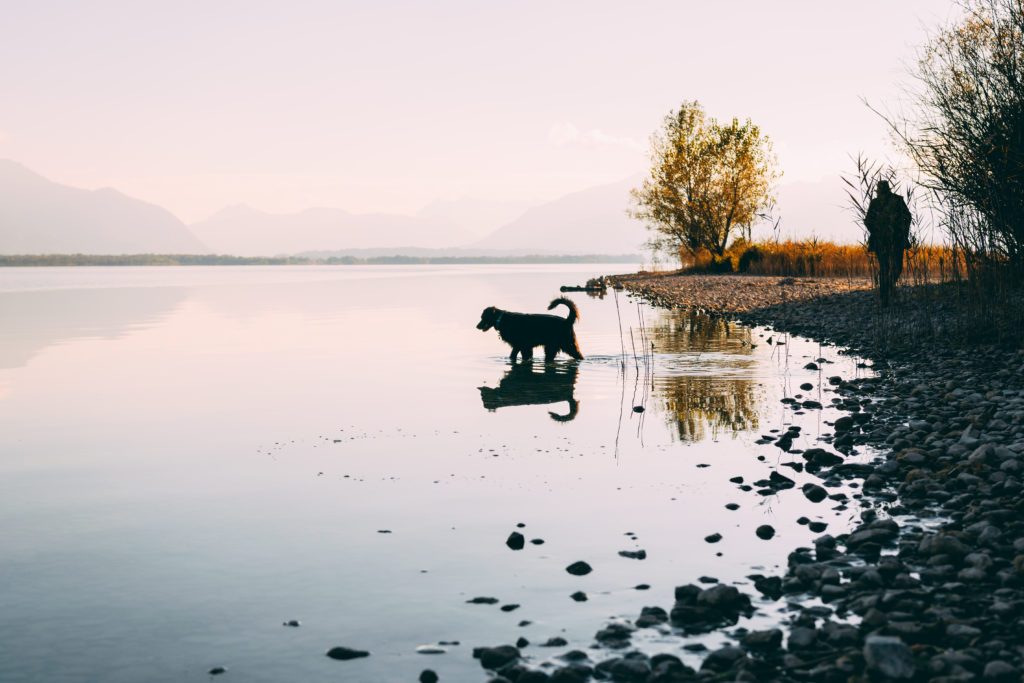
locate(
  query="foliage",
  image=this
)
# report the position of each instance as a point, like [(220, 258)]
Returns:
[(707, 181), (966, 130)]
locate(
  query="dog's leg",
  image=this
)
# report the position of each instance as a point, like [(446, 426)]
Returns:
[(527, 354), (573, 348), (512, 356), (550, 352)]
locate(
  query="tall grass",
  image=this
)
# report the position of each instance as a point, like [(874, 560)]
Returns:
[(816, 258)]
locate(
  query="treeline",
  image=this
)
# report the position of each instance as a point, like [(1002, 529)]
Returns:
[(53, 260)]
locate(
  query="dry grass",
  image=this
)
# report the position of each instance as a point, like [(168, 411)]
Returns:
[(814, 258)]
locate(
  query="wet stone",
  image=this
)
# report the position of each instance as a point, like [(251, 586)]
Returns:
[(763, 640), (889, 657), (428, 676), (713, 538), (218, 670), (482, 600), (496, 657), (723, 659), (814, 493), (579, 568), (633, 554), (515, 541), (346, 653), (615, 636), (579, 596), (765, 532)]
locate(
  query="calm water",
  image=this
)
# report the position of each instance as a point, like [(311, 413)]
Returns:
[(190, 457)]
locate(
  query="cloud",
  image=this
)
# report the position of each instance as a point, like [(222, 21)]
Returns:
[(563, 134)]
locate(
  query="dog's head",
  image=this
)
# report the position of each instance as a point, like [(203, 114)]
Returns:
[(489, 318)]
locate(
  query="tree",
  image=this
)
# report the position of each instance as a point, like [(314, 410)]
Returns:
[(707, 181), (966, 128)]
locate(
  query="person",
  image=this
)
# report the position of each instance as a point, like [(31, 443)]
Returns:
[(888, 222)]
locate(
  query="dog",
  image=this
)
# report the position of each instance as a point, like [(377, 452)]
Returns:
[(521, 386), (524, 331)]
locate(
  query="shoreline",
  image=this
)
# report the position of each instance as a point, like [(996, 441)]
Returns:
[(935, 570)]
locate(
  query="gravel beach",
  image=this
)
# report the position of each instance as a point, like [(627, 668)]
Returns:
[(930, 585)]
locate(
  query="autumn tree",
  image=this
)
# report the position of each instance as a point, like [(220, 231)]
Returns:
[(707, 182)]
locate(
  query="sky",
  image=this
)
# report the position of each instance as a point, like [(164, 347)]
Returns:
[(386, 106)]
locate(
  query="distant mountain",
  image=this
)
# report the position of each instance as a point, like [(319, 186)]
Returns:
[(38, 216), (592, 221), (478, 217), (245, 231)]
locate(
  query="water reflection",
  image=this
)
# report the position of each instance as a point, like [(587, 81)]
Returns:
[(522, 385), (31, 321), (695, 403)]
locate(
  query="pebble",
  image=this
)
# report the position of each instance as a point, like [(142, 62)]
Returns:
[(814, 493), (713, 538), (579, 568), (515, 541), (765, 532), (346, 653)]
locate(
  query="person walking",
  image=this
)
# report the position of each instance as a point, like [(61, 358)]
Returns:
[(888, 222)]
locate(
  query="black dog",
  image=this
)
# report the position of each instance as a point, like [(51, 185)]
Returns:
[(524, 331), (521, 386)]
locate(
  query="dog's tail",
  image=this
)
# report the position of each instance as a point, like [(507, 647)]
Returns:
[(574, 313)]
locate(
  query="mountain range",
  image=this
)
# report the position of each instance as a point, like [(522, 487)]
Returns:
[(39, 216)]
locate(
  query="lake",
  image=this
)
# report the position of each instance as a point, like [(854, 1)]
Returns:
[(193, 456)]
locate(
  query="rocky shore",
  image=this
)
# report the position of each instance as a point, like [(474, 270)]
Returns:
[(930, 585)]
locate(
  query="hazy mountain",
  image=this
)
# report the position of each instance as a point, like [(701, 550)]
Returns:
[(38, 216), (477, 217), (245, 231), (591, 221)]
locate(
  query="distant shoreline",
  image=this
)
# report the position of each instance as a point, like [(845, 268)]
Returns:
[(64, 260)]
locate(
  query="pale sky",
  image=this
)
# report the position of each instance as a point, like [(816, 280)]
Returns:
[(388, 105)]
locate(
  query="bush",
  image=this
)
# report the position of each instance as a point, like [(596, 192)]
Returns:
[(720, 264), (751, 254)]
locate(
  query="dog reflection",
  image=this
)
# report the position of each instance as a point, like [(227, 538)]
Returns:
[(521, 386)]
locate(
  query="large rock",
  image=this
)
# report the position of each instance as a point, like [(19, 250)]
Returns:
[(494, 658), (723, 659), (889, 657)]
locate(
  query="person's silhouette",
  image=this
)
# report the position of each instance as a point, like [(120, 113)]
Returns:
[(888, 222)]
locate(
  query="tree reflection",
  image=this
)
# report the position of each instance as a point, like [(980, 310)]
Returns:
[(698, 403)]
